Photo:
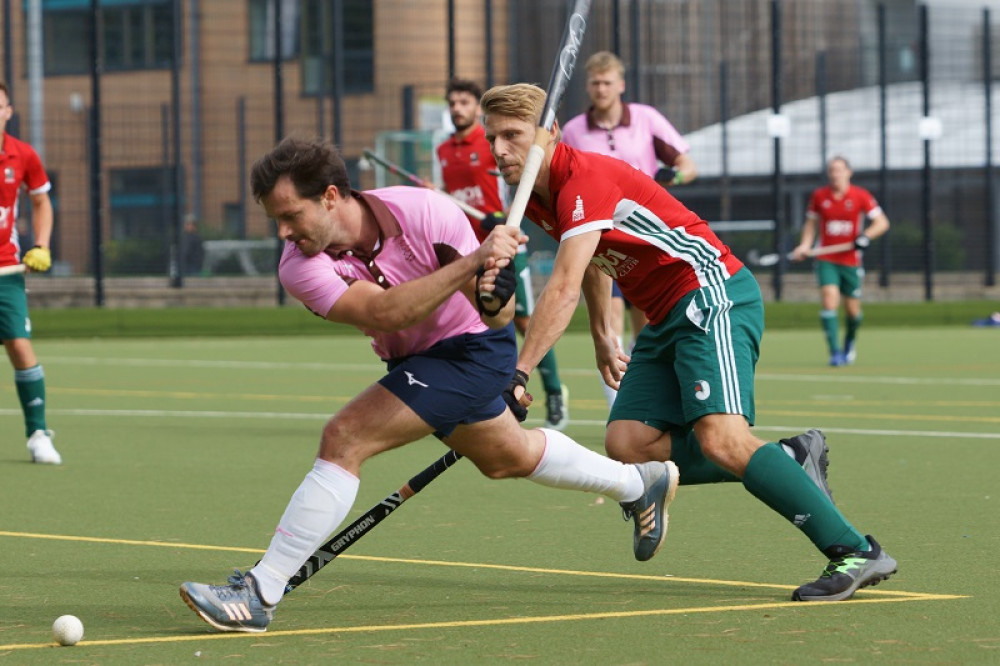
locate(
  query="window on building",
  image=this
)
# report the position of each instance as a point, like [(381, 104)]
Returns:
[(318, 24), (135, 35), (262, 29), (141, 203), (143, 215)]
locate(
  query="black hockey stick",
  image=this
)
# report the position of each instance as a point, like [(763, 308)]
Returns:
[(368, 520)]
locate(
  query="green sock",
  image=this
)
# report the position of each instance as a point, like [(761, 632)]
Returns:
[(692, 464), (829, 320), (853, 324), (778, 481), (550, 372), (30, 385)]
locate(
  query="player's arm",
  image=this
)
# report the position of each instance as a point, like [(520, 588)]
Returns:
[(558, 301), (807, 238), (611, 361), (878, 226), (685, 170), (39, 258), (671, 149), (369, 306)]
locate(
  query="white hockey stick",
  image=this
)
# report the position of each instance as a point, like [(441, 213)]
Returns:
[(772, 259), (562, 72)]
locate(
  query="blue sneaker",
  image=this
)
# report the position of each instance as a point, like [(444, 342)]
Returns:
[(847, 573), (838, 359), (649, 512), (233, 607)]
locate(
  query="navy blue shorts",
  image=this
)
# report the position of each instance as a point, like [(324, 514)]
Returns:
[(616, 292), (459, 380)]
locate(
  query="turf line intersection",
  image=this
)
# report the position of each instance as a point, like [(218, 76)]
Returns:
[(869, 596)]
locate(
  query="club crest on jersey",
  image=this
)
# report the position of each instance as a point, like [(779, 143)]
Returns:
[(702, 390), (614, 263), (474, 158), (8, 174), (578, 209)]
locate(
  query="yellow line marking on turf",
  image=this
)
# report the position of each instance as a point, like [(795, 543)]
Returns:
[(900, 417), (854, 402), (495, 622), (470, 565), (128, 542), (883, 596), (191, 395)]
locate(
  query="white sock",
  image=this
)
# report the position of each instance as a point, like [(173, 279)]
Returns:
[(789, 450), (568, 465), (609, 394), (321, 503)]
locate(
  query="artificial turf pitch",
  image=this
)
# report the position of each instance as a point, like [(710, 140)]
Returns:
[(180, 455)]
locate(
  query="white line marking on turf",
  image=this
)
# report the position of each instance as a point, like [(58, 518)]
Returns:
[(576, 372), (298, 416)]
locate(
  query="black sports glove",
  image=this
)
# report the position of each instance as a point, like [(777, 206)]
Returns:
[(493, 220), (520, 411), (666, 175), (504, 287), (862, 242)]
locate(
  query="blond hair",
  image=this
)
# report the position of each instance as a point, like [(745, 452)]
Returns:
[(523, 101), (603, 61)]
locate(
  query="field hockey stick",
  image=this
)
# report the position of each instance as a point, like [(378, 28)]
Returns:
[(420, 182), (772, 259), (368, 520), (13, 269), (562, 72)]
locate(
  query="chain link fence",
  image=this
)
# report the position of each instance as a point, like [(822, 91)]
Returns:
[(764, 90)]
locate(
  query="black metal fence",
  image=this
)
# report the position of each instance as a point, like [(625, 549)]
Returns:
[(764, 90)]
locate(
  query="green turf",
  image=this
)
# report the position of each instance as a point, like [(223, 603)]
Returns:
[(296, 320), (180, 455)]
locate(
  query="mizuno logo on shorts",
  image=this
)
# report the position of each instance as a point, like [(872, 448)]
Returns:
[(411, 380)]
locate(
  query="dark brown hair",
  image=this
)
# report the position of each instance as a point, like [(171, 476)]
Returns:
[(464, 85), (311, 164)]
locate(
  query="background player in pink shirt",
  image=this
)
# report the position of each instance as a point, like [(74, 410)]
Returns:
[(401, 264), (634, 133), (21, 167), (836, 214), (469, 173), (692, 369)]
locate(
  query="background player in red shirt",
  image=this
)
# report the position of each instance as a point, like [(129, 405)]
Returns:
[(692, 369), (837, 212), (469, 173), (21, 167)]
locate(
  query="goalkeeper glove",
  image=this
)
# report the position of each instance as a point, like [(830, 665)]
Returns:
[(862, 242), (38, 259)]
